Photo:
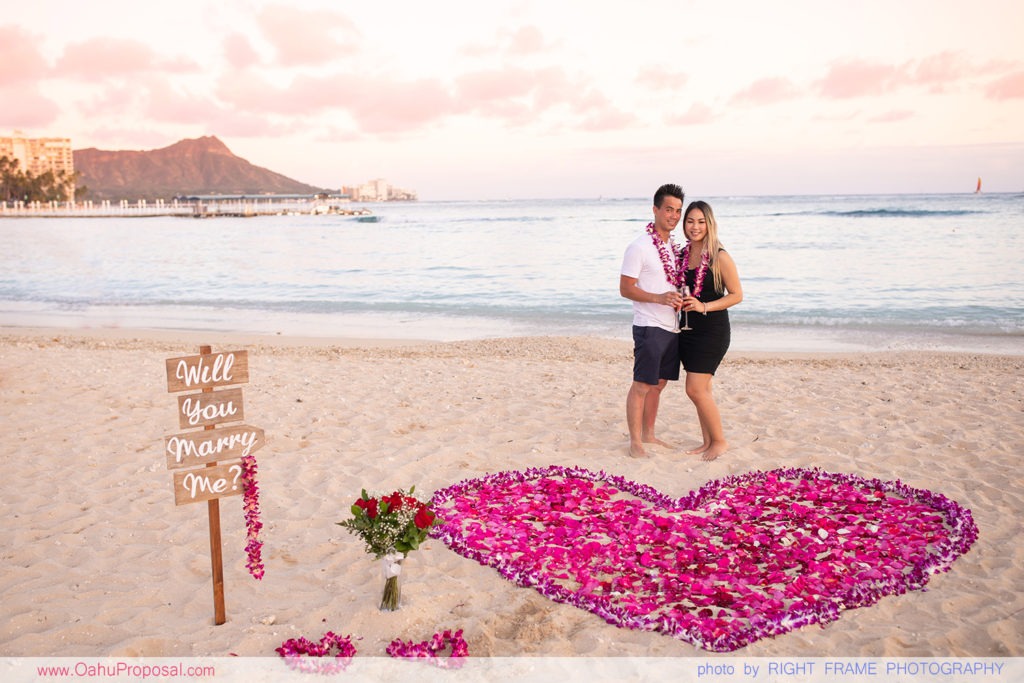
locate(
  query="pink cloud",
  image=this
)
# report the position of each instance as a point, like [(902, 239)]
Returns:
[(518, 96), (939, 71), (1007, 88), (606, 118), (100, 58), (119, 98), (106, 137), (553, 87), (491, 85), (25, 107), (20, 58), (697, 114), (857, 78), (239, 52), (376, 105), (382, 107), (246, 124), (658, 79), (303, 37), (251, 91), (893, 116), (512, 96), (526, 41), (767, 91), (167, 105)]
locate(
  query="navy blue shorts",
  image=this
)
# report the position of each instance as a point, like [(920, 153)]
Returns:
[(655, 355)]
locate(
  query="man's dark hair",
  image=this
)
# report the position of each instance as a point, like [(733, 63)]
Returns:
[(669, 190)]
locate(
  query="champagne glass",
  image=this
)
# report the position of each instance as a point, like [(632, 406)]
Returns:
[(676, 314), (686, 314)]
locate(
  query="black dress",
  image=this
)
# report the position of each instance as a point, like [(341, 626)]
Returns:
[(702, 348)]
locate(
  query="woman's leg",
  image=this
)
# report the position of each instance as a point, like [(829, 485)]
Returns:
[(698, 388)]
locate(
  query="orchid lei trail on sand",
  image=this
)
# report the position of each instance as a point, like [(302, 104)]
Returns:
[(296, 651), (253, 525), (431, 649), (742, 558)]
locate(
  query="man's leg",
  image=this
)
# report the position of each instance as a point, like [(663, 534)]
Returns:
[(651, 403), (636, 401)]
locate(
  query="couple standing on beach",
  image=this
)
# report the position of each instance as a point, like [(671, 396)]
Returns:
[(663, 280)]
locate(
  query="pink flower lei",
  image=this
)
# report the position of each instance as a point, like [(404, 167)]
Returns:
[(251, 509), (296, 650), (671, 264), (702, 269), (430, 649)]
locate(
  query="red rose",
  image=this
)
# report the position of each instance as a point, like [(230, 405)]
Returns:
[(424, 517), (371, 508), (394, 502)]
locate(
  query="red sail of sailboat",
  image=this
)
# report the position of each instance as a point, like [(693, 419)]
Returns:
[(979, 186)]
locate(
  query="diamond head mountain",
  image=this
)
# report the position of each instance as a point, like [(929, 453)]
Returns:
[(190, 167)]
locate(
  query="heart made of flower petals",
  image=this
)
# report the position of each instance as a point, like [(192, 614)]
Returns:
[(742, 558)]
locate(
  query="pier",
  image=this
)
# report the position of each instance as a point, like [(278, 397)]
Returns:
[(237, 206)]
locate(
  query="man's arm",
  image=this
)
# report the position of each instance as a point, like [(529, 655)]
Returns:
[(629, 289)]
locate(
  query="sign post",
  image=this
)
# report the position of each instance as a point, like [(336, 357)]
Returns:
[(209, 446)]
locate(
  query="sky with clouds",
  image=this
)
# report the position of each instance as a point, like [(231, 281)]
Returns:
[(540, 98)]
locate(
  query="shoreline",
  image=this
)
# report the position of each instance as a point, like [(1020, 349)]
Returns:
[(99, 561), (766, 348)]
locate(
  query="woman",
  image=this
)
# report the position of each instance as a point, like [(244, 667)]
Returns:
[(714, 286)]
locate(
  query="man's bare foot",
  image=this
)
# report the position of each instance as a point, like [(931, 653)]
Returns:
[(715, 450), (657, 442), (700, 449), (636, 450)]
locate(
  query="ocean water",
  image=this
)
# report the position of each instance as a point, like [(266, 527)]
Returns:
[(819, 273)]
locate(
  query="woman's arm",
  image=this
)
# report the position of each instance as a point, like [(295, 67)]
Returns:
[(731, 280)]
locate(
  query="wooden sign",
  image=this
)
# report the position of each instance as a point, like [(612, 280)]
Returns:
[(208, 445), (198, 448), (207, 483), (207, 371), (210, 408)]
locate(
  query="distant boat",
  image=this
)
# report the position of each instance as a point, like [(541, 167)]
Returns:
[(368, 219), (978, 190)]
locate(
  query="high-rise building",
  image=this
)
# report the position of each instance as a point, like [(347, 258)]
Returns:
[(378, 190), (39, 155)]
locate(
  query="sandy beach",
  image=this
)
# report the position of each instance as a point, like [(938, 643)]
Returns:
[(98, 561)]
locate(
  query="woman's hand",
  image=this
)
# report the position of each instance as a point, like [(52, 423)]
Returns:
[(692, 303)]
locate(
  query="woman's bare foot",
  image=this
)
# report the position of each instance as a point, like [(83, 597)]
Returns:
[(657, 442), (636, 450), (699, 450), (715, 450)]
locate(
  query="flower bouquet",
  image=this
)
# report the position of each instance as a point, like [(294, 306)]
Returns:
[(391, 526)]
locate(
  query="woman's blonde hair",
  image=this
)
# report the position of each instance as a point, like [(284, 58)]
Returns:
[(711, 243)]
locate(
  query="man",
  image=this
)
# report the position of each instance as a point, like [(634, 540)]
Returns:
[(651, 276)]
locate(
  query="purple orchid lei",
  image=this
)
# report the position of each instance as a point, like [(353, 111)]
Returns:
[(742, 558), (702, 269), (432, 649), (251, 510), (297, 651), (673, 268)]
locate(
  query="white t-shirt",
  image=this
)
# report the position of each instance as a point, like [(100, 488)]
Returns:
[(643, 262)]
